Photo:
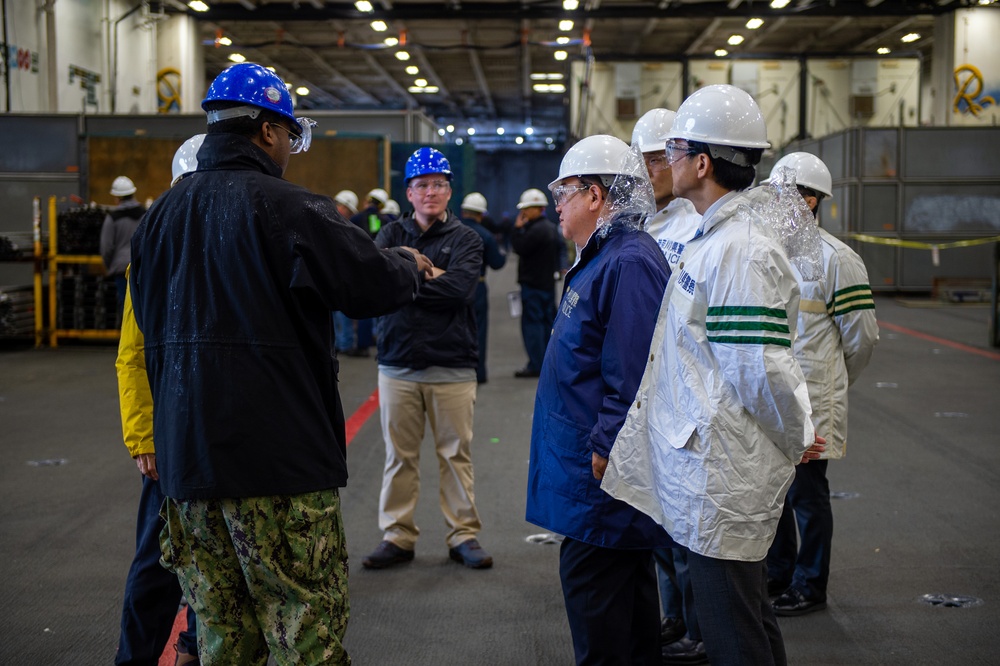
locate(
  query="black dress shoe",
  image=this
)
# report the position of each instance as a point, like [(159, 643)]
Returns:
[(526, 371), (793, 602), (684, 651), (385, 555), (471, 554), (671, 629)]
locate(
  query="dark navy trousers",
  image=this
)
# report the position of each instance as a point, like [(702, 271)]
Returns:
[(804, 563), (538, 312), (152, 594)]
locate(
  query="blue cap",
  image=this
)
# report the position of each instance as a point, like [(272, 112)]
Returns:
[(425, 161), (251, 84)]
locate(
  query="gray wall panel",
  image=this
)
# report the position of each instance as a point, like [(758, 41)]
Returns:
[(957, 152), (944, 209), (918, 269), (878, 208), (880, 153), (39, 143), (833, 152), (881, 263)]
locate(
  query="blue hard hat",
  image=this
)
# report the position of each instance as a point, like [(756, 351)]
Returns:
[(425, 161), (251, 84)]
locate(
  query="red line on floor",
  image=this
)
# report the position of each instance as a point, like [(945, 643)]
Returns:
[(940, 341), (352, 426)]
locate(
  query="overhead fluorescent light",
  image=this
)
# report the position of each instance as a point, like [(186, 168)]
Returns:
[(441, 131), (471, 131), (519, 140), (450, 128), (198, 6), (565, 25), (500, 131), (413, 70), (237, 57), (735, 40), (562, 39), (379, 26), (546, 76), (549, 88), (390, 41), (364, 6), (560, 55), (909, 37), (402, 55), (420, 82), (779, 4), (754, 23), (459, 141), (423, 89), (224, 41), (302, 90), (571, 5), (721, 52), (529, 130)]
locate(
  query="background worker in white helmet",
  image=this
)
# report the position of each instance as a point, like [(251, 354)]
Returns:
[(837, 333), (347, 203), (722, 416), (535, 240), (116, 234), (589, 378), (674, 224), (152, 593), (390, 211), (473, 209)]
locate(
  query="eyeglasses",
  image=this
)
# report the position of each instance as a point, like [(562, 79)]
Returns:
[(564, 193), (656, 163), (299, 142), (433, 185), (677, 151)]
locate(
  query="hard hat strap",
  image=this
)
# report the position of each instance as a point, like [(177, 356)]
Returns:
[(233, 112)]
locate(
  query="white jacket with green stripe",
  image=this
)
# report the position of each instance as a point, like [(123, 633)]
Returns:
[(722, 415), (837, 332)]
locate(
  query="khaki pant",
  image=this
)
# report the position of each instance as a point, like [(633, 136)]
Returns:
[(449, 408), (263, 574)]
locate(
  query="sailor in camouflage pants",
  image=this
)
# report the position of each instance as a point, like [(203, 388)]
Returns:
[(291, 599)]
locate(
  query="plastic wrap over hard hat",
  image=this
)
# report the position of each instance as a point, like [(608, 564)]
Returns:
[(630, 196), (810, 171), (391, 207), (722, 115), (532, 198), (426, 161), (379, 195), (252, 84), (650, 131), (597, 155), (122, 187), (186, 158), (347, 198), (475, 202), (787, 214)]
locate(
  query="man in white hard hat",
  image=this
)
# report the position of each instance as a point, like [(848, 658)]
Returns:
[(116, 234), (473, 209), (536, 242), (588, 382), (723, 415), (347, 203), (837, 333), (672, 226)]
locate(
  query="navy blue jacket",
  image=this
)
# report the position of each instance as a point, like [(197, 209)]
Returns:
[(592, 368), (234, 275), (439, 327), (492, 256)]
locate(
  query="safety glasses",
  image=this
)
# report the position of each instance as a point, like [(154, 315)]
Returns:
[(564, 193)]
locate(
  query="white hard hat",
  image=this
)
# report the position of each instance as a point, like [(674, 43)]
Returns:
[(598, 155), (651, 130), (347, 198), (532, 198), (185, 159), (475, 202), (122, 187), (721, 115), (391, 207), (379, 195), (809, 172)]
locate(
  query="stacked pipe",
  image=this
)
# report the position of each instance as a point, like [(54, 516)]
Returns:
[(17, 311)]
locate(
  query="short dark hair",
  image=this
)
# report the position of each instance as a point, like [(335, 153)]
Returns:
[(242, 125), (728, 175), (810, 192)]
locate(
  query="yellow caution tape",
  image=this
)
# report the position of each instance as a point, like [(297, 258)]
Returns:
[(917, 245)]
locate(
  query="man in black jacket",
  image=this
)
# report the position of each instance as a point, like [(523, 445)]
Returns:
[(427, 354), (234, 274)]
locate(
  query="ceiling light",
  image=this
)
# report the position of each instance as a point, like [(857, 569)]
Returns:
[(721, 52), (560, 55), (198, 6), (519, 140), (420, 82), (529, 130), (431, 89), (413, 70), (570, 5), (379, 26), (450, 128), (288, 86), (882, 50), (909, 37), (563, 39), (302, 90), (237, 57), (548, 140), (471, 131), (546, 76), (500, 131), (459, 141), (549, 88), (402, 55), (224, 41), (270, 69), (441, 131), (565, 25), (779, 4), (423, 89), (754, 23), (390, 41), (364, 6), (735, 40)]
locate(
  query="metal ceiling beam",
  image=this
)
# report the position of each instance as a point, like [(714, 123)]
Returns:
[(885, 34), (763, 33), (703, 37), (286, 11), (484, 87), (837, 26)]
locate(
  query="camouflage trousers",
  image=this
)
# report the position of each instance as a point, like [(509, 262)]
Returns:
[(264, 575)]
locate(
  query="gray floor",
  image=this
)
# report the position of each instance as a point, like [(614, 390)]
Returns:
[(924, 462)]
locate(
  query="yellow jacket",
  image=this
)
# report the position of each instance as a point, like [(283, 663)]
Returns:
[(134, 396)]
